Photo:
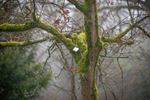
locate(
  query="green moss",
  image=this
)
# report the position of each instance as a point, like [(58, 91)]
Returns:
[(79, 39), (94, 89), (16, 27), (95, 92), (117, 37), (102, 44), (82, 66), (87, 2), (82, 37), (81, 6), (76, 40), (88, 33), (22, 43), (83, 63), (11, 43), (55, 32)]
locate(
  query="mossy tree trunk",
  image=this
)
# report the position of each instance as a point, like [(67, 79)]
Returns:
[(88, 83)]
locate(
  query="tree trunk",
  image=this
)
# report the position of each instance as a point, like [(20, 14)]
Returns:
[(88, 83)]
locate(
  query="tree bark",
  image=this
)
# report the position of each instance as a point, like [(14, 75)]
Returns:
[(88, 83)]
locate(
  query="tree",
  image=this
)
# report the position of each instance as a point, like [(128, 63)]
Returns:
[(85, 47), (20, 76)]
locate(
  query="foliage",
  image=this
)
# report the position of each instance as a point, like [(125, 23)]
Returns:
[(20, 77)]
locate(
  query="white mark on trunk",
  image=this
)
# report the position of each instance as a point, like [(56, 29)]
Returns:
[(75, 49)]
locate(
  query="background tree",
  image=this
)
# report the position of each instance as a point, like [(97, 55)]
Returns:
[(20, 76)]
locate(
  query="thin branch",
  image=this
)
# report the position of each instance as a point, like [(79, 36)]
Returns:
[(34, 10), (113, 56), (144, 31), (50, 50), (121, 70), (120, 7)]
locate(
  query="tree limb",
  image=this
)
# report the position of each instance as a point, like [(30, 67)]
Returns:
[(17, 27), (22, 43), (36, 24), (118, 36), (79, 6), (144, 31), (54, 31)]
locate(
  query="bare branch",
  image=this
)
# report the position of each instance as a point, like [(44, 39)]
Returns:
[(113, 56), (120, 7), (34, 10), (144, 31)]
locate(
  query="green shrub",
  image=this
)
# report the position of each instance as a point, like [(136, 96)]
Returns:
[(20, 76)]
